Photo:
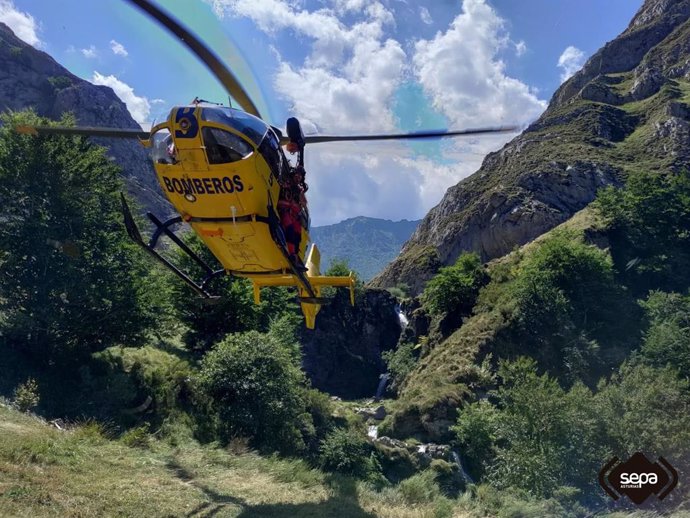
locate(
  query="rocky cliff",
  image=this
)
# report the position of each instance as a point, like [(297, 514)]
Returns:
[(30, 78), (342, 355), (626, 110)]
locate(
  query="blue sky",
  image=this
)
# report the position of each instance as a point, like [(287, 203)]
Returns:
[(344, 66)]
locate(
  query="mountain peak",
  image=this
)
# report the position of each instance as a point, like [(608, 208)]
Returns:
[(654, 10), (627, 110), (30, 78)]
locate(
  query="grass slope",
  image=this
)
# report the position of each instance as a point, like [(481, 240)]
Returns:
[(79, 473)]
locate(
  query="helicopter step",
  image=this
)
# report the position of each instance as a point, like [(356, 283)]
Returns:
[(150, 247)]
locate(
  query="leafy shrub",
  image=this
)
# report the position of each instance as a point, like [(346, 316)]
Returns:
[(60, 82), (318, 419), (476, 430), (455, 288), (420, 488), (400, 291), (26, 395), (346, 451), (649, 227), (485, 500), (256, 387), (140, 381), (93, 431), (667, 340), (448, 477), (400, 362), (138, 437)]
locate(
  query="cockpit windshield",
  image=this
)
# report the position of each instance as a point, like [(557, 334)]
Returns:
[(247, 124), (223, 147)]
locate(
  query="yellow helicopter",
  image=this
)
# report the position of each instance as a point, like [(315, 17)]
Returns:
[(225, 172)]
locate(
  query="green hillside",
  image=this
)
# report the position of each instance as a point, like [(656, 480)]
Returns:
[(579, 338), (365, 244), (81, 471)]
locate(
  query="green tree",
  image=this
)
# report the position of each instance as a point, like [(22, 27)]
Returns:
[(667, 340), (455, 288), (209, 321), (346, 451), (257, 389), (534, 436), (400, 362), (568, 306), (646, 409), (341, 268), (649, 227), (538, 437), (71, 282)]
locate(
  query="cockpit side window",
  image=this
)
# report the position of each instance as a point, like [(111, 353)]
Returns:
[(162, 147), (223, 147)]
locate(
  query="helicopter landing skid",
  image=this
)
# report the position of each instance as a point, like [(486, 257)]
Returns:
[(150, 247)]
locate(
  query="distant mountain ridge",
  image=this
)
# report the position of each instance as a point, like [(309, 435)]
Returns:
[(366, 244)]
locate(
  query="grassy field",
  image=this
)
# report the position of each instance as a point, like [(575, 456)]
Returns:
[(82, 470), (78, 472)]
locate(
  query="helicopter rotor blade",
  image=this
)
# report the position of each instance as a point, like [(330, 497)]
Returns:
[(88, 131), (318, 139), (206, 55)]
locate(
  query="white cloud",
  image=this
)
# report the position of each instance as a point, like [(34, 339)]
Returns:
[(425, 15), (90, 53), (22, 24), (520, 48), (570, 62), (158, 101), (462, 73), (347, 84), (118, 49), (347, 80), (139, 107)]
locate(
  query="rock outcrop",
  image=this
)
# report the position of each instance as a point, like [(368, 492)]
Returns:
[(30, 78), (342, 356), (626, 110)]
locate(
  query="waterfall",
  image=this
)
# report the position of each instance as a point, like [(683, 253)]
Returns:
[(401, 317), (373, 431), (456, 459), (383, 379)]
